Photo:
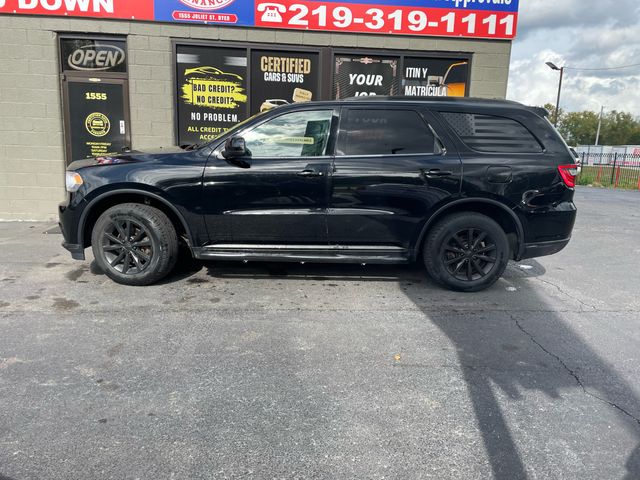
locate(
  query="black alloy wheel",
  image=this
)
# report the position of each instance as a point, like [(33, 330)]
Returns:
[(134, 244), (466, 251), (127, 246), (469, 254)]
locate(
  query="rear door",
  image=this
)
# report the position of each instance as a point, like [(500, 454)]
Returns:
[(391, 170)]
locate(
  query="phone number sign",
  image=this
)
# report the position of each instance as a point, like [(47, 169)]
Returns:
[(496, 19), (390, 19)]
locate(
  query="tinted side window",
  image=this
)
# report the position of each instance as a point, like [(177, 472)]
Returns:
[(385, 132), (488, 133), (296, 134)]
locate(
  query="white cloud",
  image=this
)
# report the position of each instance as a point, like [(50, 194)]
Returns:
[(533, 83), (577, 34)]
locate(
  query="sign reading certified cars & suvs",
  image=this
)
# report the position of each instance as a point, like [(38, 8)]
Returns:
[(492, 19)]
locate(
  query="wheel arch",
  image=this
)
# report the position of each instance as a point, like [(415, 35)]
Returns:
[(495, 210), (106, 200)]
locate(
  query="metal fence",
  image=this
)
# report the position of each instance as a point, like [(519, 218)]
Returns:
[(610, 170)]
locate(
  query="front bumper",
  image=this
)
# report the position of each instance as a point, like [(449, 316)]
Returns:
[(69, 221), (77, 251)]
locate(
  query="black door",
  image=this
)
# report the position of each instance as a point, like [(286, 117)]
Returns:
[(280, 195), (97, 117), (390, 172)]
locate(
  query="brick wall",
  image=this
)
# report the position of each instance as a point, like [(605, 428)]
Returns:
[(31, 137)]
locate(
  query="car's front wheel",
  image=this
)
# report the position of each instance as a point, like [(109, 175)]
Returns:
[(466, 251), (134, 244)]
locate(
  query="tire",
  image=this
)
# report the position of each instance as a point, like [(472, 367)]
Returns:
[(134, 244), (466, 252)]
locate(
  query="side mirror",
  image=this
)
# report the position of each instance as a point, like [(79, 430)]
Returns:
[(235, 147)]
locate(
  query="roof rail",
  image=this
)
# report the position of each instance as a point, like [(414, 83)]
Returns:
[(540, 111)]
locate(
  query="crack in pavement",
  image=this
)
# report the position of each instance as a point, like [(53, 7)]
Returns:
[(574, 374), (560, 289)]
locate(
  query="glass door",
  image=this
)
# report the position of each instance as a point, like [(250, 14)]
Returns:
[(97, 117)]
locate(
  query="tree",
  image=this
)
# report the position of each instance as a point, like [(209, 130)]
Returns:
[(619, 128), (579, 128), (552, 112)]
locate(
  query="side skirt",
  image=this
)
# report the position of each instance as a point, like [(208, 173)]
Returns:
[(304, 253)]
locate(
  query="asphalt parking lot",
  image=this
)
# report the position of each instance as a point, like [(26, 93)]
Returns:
[(311, 371)]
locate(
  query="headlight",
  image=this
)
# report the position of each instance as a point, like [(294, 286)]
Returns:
[(73, 181)]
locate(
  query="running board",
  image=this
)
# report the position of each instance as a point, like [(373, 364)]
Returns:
[(303, 253)]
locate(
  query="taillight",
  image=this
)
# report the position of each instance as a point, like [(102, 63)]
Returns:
[(569, 174)]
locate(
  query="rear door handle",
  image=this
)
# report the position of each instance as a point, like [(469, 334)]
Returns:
[(309, 172), (436, 172)]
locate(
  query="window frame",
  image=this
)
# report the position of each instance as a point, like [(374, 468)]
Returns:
[(437, 138)]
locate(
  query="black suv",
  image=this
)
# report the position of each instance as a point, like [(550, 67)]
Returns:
[(462, 184)]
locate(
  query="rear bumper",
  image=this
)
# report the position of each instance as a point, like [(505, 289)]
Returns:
[(542, 249)]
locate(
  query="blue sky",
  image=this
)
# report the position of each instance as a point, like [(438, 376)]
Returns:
[(579, 34)]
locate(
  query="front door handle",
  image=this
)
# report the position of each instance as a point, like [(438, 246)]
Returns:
[(309, 172), (436, 172)]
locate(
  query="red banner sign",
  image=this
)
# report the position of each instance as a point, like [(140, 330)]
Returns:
[(495, 19), (124, 9)]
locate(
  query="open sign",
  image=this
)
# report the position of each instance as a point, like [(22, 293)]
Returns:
[(96, 57)]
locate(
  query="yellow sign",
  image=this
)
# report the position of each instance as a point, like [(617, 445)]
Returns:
[(214, 89), (97, 124)]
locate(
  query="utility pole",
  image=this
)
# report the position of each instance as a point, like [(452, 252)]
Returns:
[(552, 66), (599, 124)]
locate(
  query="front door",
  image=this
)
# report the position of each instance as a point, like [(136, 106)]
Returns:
[(390, 172), (97, 117), (279, 194)]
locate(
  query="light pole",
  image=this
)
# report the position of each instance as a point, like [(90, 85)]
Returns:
[(599, 125), (552, 66)]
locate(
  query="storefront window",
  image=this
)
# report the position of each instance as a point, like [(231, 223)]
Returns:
[(220, 85), (435, 77), (211, 91), (279, 78), (358, 75)]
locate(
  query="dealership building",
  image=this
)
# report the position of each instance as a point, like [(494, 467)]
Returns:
[(85, 78)]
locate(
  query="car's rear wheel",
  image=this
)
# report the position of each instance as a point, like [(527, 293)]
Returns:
[(466, 251), (134, 244)]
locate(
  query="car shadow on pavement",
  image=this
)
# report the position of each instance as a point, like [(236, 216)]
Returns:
[(413, 272), (510, 357), (521, 367), (345, 273)]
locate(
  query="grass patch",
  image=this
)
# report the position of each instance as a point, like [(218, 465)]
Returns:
[(606, 176)]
